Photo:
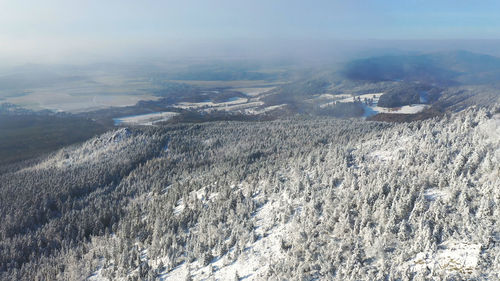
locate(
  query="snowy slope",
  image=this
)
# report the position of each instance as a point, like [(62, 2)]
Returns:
[(405, 201)]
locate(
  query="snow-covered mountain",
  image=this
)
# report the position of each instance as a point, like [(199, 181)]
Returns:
[(294, 199)]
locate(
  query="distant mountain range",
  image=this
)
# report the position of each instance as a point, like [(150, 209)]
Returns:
[(442, 68)]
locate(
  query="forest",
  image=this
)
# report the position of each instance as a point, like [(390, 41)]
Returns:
[(249, 140), (26, 134), (298, 198)]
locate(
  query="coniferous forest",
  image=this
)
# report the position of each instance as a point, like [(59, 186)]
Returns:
[(249, 140), (301, 198)]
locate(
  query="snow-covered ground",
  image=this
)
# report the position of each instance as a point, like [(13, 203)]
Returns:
[(97, 274), (451, 256), (254, 262), (342, 98), (335, 97), (107, 147), (250, 106), (378, 152), (433, 194), (238, 107), (374, 96), (253, 92), (458, 255), (374, 108), (384, 155), (197, 105), (200, 194), (179, 207), (76, 100), (407, 109), (145, 119), (491, 129)]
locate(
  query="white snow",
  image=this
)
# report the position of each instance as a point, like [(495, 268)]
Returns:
[(203, 195), (179, 207), (491, 129), (200, 194), (433, 194), (451, 256), (145, 119), (343, 98), (384, 155), (240, 106), (407, 109), (387, 152), (375, 109), (350, 98), (254, 262), (190, 105), (107, 147), (96, 276), (332, 96)]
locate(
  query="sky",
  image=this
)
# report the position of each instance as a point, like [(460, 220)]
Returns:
[(32, 30)]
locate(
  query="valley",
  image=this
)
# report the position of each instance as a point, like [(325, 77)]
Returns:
[(270, 175), (249, 140)]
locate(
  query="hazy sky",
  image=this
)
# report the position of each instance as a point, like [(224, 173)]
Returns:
[(52, 29)]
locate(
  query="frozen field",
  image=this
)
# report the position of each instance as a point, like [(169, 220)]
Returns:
[(199, 105), (374, 109), (254, 91), (145, 119), (97, 92), (407, 109), (76, 103), (343, 98)]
